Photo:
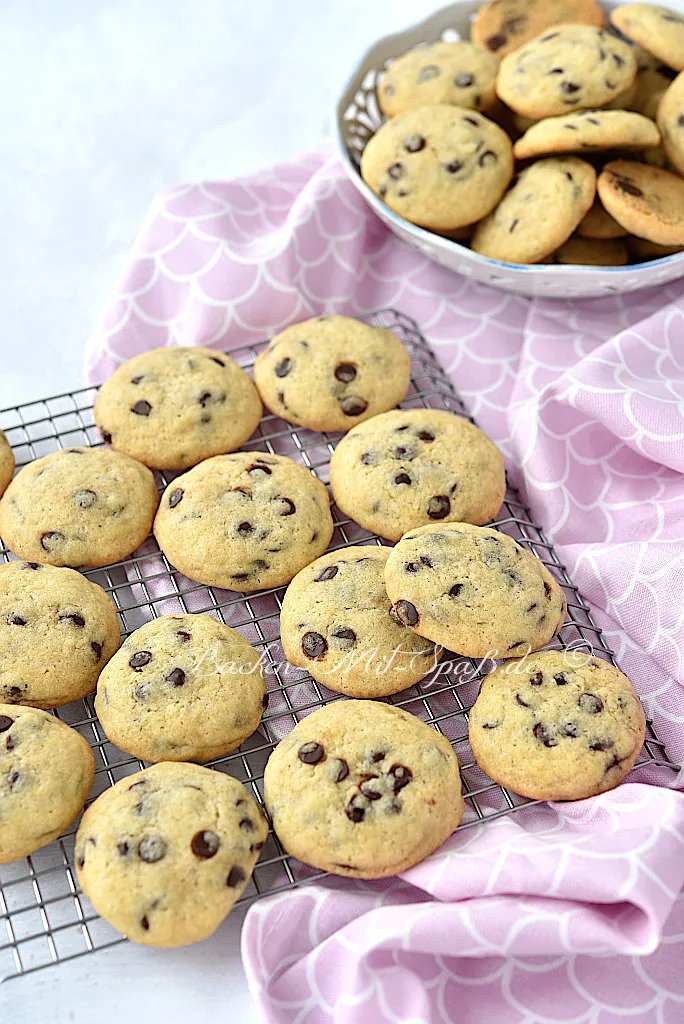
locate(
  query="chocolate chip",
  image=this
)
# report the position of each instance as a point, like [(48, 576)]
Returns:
[(426, 560), (521, 702), (680, 120), (547, 589), (367, 790), (346, 634), (551, 35), (353, 405), (247, 825), (139, 659), (341, 771), (544, 734), (402, 776), (311, 753), (6, 723), (491, 725), (328, 573), (593, 120), (354, 812), (382, 191), (368, 458), (395, 171), (537, 679), (518, 643), (141, 408), (15, 620), (176, 496), (140, 691), (557, 71), (561, 679), (74, 618), (426, 435), (244, 529), (610, 85), (454, 166), (106, 436), (12, 692), (145, 923), (407, 613), (411, 567), (290, 509), (438, 507), (205, 419), (216, 359), (603, 743), (85, 499), (495, 42), (428, 72), (488, 157), (204, 398), (205, 844), (571, 730), (283, 367), (183, 636), (259, 467), (314, 645), (569, 87), (123, 847), (414, 143), (235, 876), (345, 372), (456, 590), (590, 702), (264, 700), (151, 849), (463, 80), (377, 756), (176, 677), (627, 186), (31, 565), (402, 478), (51, 540)]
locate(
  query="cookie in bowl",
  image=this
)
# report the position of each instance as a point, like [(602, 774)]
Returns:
[(457, 73)]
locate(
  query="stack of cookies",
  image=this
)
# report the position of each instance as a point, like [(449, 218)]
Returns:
[(549, 137), (360, 787)]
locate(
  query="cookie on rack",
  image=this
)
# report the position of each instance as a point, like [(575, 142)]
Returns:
[(172, 407), (588, 129), (338, 623), (557, 725), (520, 229), (568, 68), (658, 29), (57, 632), (46, 771), (457, 73), (363, 789), (593, 252), (671, 122), (474, 591), (439, 167), (244, 521), (646, 200), (505, 25), (181, 688), (598, 223), (164, 854), (6, 462), (78, 507), (332, 372), (411, 467)]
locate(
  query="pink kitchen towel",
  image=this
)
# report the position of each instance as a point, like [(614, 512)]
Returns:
[(563, 912)]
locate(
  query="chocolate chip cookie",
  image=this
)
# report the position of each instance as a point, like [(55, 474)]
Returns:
[(594, 252), (658, 29), (473, 590), (457, 73), (57, 632), (172, 407), (588, 130), (557, 725), (164, 854), (652, 80), (439, 166), (411, 467), (505, 25), (6, 462), (78, 507), (181, 688), (363, 789), (46, 771), (338, 623), (244, 521), (520, 229), (646, 200), (568, 68), (598, 223), (332, 372), (671, 122)]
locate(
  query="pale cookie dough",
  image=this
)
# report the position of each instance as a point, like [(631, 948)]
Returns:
[(588, 130), (457, 73)]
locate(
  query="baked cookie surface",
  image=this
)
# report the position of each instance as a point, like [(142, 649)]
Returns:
[(557, 725), (6, 462), (647, 201), (588, 130), (459, 73), (505, 25), (670, 116), (658, 29)]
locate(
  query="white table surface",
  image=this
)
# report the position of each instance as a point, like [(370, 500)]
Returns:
[(103, 103)]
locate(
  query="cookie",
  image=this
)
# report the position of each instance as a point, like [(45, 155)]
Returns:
[(411, 467), (658, 29), (643, 250), (505, 25), (456, 73), (164, 854), (79, 507), (181, 688), (244, 521), (337, 622), (584, 130), (652, 80), (57, 632), (570, 67), (598, 223), (46, 771), (439, 167), (332, 372), (474, 591), (558, 725), (172, 407), (6, 462), (670, 116), (363, 789), (646, 200), (520, 229), (594, 252)]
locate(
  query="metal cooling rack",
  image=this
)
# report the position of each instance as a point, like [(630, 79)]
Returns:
[(44, 919)]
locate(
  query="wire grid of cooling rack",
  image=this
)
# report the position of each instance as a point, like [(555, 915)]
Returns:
[(44, 917)]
